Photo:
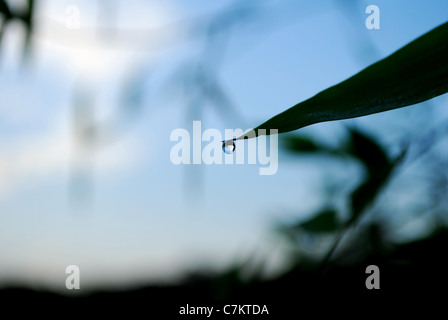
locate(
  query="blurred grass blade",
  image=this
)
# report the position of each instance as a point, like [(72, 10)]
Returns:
[(303, 145), (29, 25), (415, 73), (5, 16)]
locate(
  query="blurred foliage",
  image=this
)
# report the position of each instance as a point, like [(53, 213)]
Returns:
[(361, 148), (25, 17)]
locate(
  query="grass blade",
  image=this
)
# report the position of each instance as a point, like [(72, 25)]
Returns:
[(415, 73)]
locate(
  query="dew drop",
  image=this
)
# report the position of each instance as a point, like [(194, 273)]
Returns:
[(228, 146)]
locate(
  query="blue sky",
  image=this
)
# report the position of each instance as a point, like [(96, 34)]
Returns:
[(148, 219)]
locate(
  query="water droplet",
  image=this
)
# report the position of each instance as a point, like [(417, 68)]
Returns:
[(228, 146)]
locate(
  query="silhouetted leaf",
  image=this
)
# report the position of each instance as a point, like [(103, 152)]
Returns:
[(325, 221), (364, 195), (415, 73), (369, 152)]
